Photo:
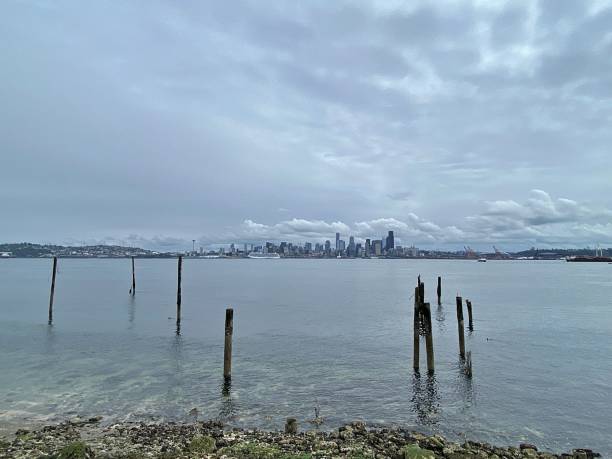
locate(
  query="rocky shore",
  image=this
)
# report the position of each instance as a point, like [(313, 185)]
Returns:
[(78, 439)]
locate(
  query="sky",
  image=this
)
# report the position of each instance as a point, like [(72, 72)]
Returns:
[(153, 123)]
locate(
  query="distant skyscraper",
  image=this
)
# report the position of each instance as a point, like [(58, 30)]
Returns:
[(368, 248), (351, 247), (327, 247), (337, 241), (390, 241), (377, 247)]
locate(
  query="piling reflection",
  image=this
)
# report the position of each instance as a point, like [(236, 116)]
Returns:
[(425, 399), (440, 318), (229, 408), (176, 352), (464, 384), (50, 339), (226, 387), (131, 312)]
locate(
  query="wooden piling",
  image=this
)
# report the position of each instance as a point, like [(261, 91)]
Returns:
[(469, 309), (52, 290), (421, 292), (428, 338), (178, 291), (291, 426), (133, 289), (421, 301), (439, 290), (460, 327), (227, 352), (416, 327)]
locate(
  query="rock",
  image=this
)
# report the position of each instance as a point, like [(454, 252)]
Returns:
[(415, 452), (358, 426), (436, 441), (75, 421), (588, 452), (528, 446), (346, 432)]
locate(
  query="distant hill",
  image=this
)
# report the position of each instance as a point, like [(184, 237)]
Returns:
[(29, 250)]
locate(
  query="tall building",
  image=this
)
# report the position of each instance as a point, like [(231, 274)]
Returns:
[(368, 249), (327, 247), (390, 241), (337, 241), (377, 247), (351, 247)]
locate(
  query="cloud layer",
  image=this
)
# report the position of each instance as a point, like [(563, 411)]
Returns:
[(184, 119), (539, 221)]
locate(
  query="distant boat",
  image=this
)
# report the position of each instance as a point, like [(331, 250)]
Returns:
[(583, 258), (482, 260), (259, 255)]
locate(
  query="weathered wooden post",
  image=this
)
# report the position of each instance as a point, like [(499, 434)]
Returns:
[(469, 309), (421, 301), (133, 289), (178, 291), (291, 426), (428, 338), (460, 327), (227, 352), (52, 290), (439, 290), (416, 328)]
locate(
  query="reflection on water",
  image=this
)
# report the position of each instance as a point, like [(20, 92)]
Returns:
[(176, 352), (441, 318), (425, 399), (131, 312), (229, 408), (50, 340)]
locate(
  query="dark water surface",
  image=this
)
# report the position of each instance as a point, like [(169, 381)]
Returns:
[(330, 333)]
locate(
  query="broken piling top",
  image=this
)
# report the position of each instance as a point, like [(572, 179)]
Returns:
[(291, 426)]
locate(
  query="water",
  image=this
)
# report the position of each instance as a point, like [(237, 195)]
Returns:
[(336, 334)]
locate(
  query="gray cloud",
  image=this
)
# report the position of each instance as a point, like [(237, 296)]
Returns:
[(172, 120)]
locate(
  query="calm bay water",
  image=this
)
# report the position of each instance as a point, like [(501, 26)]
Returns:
[(330, 333)]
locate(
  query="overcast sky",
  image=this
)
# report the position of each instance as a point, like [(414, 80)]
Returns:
[(451, 122)]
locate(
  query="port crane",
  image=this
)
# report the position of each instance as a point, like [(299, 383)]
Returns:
[(500, 254)]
